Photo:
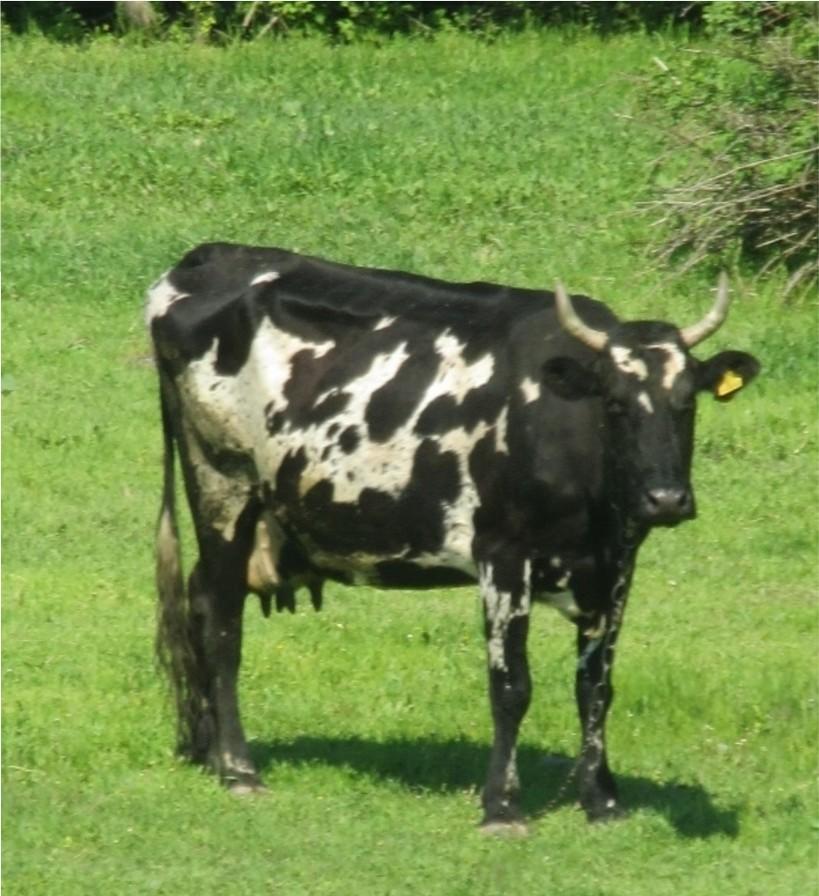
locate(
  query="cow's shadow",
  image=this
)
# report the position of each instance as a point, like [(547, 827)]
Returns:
[(460, 764)]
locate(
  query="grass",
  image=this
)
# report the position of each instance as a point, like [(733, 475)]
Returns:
[(518, 162)]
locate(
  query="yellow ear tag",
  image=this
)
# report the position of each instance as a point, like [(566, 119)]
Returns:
[(729, 382)]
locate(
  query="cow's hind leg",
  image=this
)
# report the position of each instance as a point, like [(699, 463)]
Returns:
[(217, 597), (225, 514), (505, 594)]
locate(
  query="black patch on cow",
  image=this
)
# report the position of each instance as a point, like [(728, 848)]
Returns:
[(375, 504), (275, 422), (488, 467), (349, 440), (481, 405), (405, 574), (301, 389), (444, 414), (392, 404), (288, 477), (236, 333), (435, 473), (438, 417), (319, 496), (344, 528), (378, 522), (330, 406)]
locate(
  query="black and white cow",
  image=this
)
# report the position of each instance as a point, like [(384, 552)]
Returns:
[(378, 427)]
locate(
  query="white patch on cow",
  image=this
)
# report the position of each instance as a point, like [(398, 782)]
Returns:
[(644, 401), (383, 323), (266, 277), (382, 370), (674, 364), (589, 649), (227, 410), (501, 425), (511, 780), (500, 612), (221, 498), (627, 363), (595, 632), (530, 390), (160, 297), (563, 601), (455, 556), (231, 763), (328, 394), (455, 377)]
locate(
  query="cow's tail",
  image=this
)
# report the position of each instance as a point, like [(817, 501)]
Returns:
[(175, 651)]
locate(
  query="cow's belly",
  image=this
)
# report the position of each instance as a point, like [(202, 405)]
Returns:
[(397, 514)]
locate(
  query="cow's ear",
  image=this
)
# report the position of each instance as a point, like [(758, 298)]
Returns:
[(726, 373), (570, 379)]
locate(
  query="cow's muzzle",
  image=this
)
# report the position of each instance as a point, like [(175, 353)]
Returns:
[(666, 506)]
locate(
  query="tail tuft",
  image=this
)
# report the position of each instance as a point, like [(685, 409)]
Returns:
[(175, 652)]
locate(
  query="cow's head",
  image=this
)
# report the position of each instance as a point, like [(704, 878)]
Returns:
[(647, 380)]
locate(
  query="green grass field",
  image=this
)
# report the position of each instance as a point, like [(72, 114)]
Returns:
[(519, 162)]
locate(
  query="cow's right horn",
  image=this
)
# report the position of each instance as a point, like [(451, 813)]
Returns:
[(569, 320), (713, 320)]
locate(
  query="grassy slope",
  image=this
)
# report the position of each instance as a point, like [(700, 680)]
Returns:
[(518, 162)]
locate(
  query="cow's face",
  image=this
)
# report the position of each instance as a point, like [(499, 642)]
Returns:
[(647, 381)]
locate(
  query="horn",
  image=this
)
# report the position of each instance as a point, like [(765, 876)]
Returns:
[(596, 339), (713, 320)]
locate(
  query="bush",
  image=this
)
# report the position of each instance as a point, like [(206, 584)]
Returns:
[(345, 20), (743, 115)]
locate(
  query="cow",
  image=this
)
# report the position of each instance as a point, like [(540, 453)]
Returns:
[(377, 427)]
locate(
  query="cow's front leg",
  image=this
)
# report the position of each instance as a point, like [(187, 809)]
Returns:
[(594, 692), (596, 646), (506, 603)]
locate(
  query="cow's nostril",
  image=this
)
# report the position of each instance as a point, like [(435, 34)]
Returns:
[(667, 504)]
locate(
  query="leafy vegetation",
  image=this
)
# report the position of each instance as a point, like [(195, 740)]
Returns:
[(738, 176), (206, 20), (516, 162)]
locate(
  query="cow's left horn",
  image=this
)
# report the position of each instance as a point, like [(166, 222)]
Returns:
[(596, 339), (713, 320)]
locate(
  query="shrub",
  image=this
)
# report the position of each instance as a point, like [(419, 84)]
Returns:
[(345, 20), (742, 114)]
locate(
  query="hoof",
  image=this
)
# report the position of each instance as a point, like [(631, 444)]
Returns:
[(246, 788), (504, 828), (603, 811), (243, 783)]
